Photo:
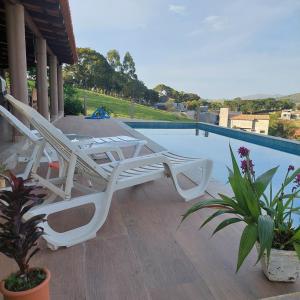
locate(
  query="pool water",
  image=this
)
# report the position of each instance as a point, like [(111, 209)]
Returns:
[(216, 147)]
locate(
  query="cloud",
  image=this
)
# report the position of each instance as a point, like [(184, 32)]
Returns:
[(177, 9), (215, 23), (211, 23)]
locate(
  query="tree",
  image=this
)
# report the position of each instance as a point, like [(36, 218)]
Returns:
[(151, 96), (134, 89), (128, 66), (282, 128), (170, 105), (91, 71), (215, 106), (113, 58), (192, 104)]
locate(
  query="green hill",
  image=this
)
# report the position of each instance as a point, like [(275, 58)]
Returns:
[(293, 97), (178, 96), (122, 108)]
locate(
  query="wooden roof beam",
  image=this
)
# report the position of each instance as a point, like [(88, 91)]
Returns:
[(46, 5), (35, 30)]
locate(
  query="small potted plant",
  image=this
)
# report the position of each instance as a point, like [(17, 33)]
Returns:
[(18, 241), (2, 173), (267, 217)]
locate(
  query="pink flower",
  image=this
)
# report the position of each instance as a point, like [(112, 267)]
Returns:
[(243, 152), (297, 181), (291, 168), (247, 166)]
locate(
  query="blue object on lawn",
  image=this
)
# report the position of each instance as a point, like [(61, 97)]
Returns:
[(99, 113)]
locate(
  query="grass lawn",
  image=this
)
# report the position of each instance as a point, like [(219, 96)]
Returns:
[(122, 108)]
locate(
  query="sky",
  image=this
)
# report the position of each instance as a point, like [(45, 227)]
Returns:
[(217, 48)]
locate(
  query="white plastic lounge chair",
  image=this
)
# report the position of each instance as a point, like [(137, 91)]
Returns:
[(115, 176), (95, 145)]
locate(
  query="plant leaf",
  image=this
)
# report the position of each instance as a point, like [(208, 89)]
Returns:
[(296, 236), (218, 213), (262, 182), (265, 227), (203, 204), (248, 239), (297, 248), (225, 223)]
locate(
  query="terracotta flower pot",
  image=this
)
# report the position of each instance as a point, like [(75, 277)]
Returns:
[(2, 183), (40, 292)]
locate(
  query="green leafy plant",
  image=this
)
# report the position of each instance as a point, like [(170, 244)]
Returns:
[(73, 107), (280, 207), (268, 218), (18, 237), (2, 168)]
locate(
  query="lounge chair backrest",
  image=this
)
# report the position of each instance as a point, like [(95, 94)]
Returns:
[(12, 120), (58, 140)]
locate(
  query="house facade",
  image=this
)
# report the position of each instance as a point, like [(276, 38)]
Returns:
[(251, 123), (289, 114)]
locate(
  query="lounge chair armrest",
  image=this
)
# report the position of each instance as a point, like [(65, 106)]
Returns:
[(141, 161), (101, 149), (82, 143)]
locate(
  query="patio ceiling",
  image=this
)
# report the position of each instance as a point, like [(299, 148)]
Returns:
[(52, 19)]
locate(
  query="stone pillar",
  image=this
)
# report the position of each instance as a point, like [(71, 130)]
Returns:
[(41, 78), (224, 117), (60, 88), (53, 88), (17, 52)]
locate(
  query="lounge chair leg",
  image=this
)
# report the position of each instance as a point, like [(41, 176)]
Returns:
[(199, 174), (52, 247), (54, 239)]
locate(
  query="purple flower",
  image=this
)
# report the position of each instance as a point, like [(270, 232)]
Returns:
[(243, 152), (291, 168), (297, 181), (247, 166)]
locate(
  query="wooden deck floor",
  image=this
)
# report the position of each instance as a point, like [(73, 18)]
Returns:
[(140, 254)]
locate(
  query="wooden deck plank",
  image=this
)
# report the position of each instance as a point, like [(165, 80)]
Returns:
[(163, 261), (68, 270), (113, 271)]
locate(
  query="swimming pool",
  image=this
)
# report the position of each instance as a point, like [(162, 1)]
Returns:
[(216, 147)]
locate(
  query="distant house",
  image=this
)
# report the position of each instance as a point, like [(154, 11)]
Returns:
[(180, 106), (163, 96), (289, 114), (161, 106), (163, 93), (251, 123)]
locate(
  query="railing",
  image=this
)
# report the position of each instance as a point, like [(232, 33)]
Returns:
[(284, 145)]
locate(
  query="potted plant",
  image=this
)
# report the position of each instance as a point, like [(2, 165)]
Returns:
[(267, 217), (2, 173), (18, 240)]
